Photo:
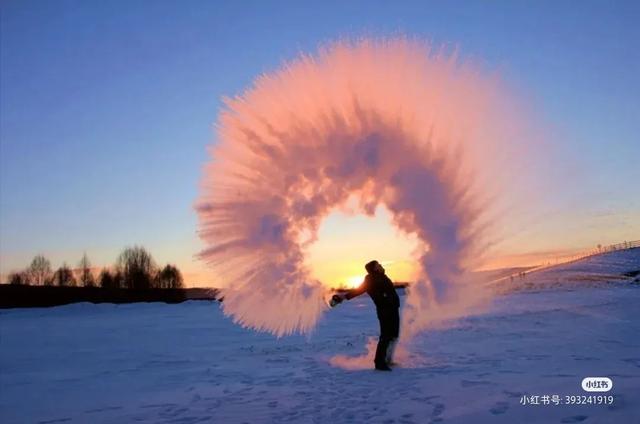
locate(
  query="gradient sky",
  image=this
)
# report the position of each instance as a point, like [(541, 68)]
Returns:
[(106, 109)]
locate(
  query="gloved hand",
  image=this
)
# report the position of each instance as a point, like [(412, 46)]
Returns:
[(336, 299)]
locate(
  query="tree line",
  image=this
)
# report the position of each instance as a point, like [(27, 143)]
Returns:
[(134, 269)]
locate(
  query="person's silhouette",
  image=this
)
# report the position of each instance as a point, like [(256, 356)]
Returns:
[(387, 302)]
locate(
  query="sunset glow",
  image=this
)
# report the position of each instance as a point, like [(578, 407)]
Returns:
[(346, 242), (354, 281)]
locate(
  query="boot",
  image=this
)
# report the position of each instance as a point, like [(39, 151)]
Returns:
[(383, 367)]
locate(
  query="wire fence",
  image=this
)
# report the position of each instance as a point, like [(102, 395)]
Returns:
[(593, 252), (562, 260)]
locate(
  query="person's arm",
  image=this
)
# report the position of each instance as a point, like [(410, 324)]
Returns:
[(358, 290), (350, 294)]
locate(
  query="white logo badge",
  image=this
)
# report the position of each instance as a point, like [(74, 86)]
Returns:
[(597, 384)]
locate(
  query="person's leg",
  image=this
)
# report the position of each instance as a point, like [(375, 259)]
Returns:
[(394, 332), (380, 360), (390, 351), (386, 334)]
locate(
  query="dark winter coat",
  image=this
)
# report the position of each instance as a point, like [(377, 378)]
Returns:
[(381, 290)]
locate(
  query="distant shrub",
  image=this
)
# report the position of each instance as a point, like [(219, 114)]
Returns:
[(169, 278), (64, 277), (105, 280), (19, 278), (118, 280)]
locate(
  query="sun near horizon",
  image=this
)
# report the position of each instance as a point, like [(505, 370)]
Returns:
[(346, 242)]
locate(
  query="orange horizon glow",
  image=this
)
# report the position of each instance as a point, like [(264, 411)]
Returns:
[(349, 274), (346, 242)]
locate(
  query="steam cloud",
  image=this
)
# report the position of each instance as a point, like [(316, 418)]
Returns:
[(392, 122)]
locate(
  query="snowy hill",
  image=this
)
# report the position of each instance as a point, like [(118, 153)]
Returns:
[(187, 363), (620, 267)]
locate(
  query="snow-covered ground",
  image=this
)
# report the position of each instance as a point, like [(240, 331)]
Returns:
[(593, 271), (187, 363)]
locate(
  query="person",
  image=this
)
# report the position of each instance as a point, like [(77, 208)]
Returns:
[(384, 296)]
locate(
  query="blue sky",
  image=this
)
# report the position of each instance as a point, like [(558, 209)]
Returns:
[(106, 108)]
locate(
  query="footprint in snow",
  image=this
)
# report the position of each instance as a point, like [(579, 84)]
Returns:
[(499, 408), (574, 419), (472, 383)]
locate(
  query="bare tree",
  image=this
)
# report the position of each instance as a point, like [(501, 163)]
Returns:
[(40, 271), (64, 276), (106, 279), (18, 278), (118, 280), (137, 267), (169, 278), (86, 276)]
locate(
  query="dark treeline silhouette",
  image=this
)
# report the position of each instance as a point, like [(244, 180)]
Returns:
[(134, 277), (134, 269), (23, 296)]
